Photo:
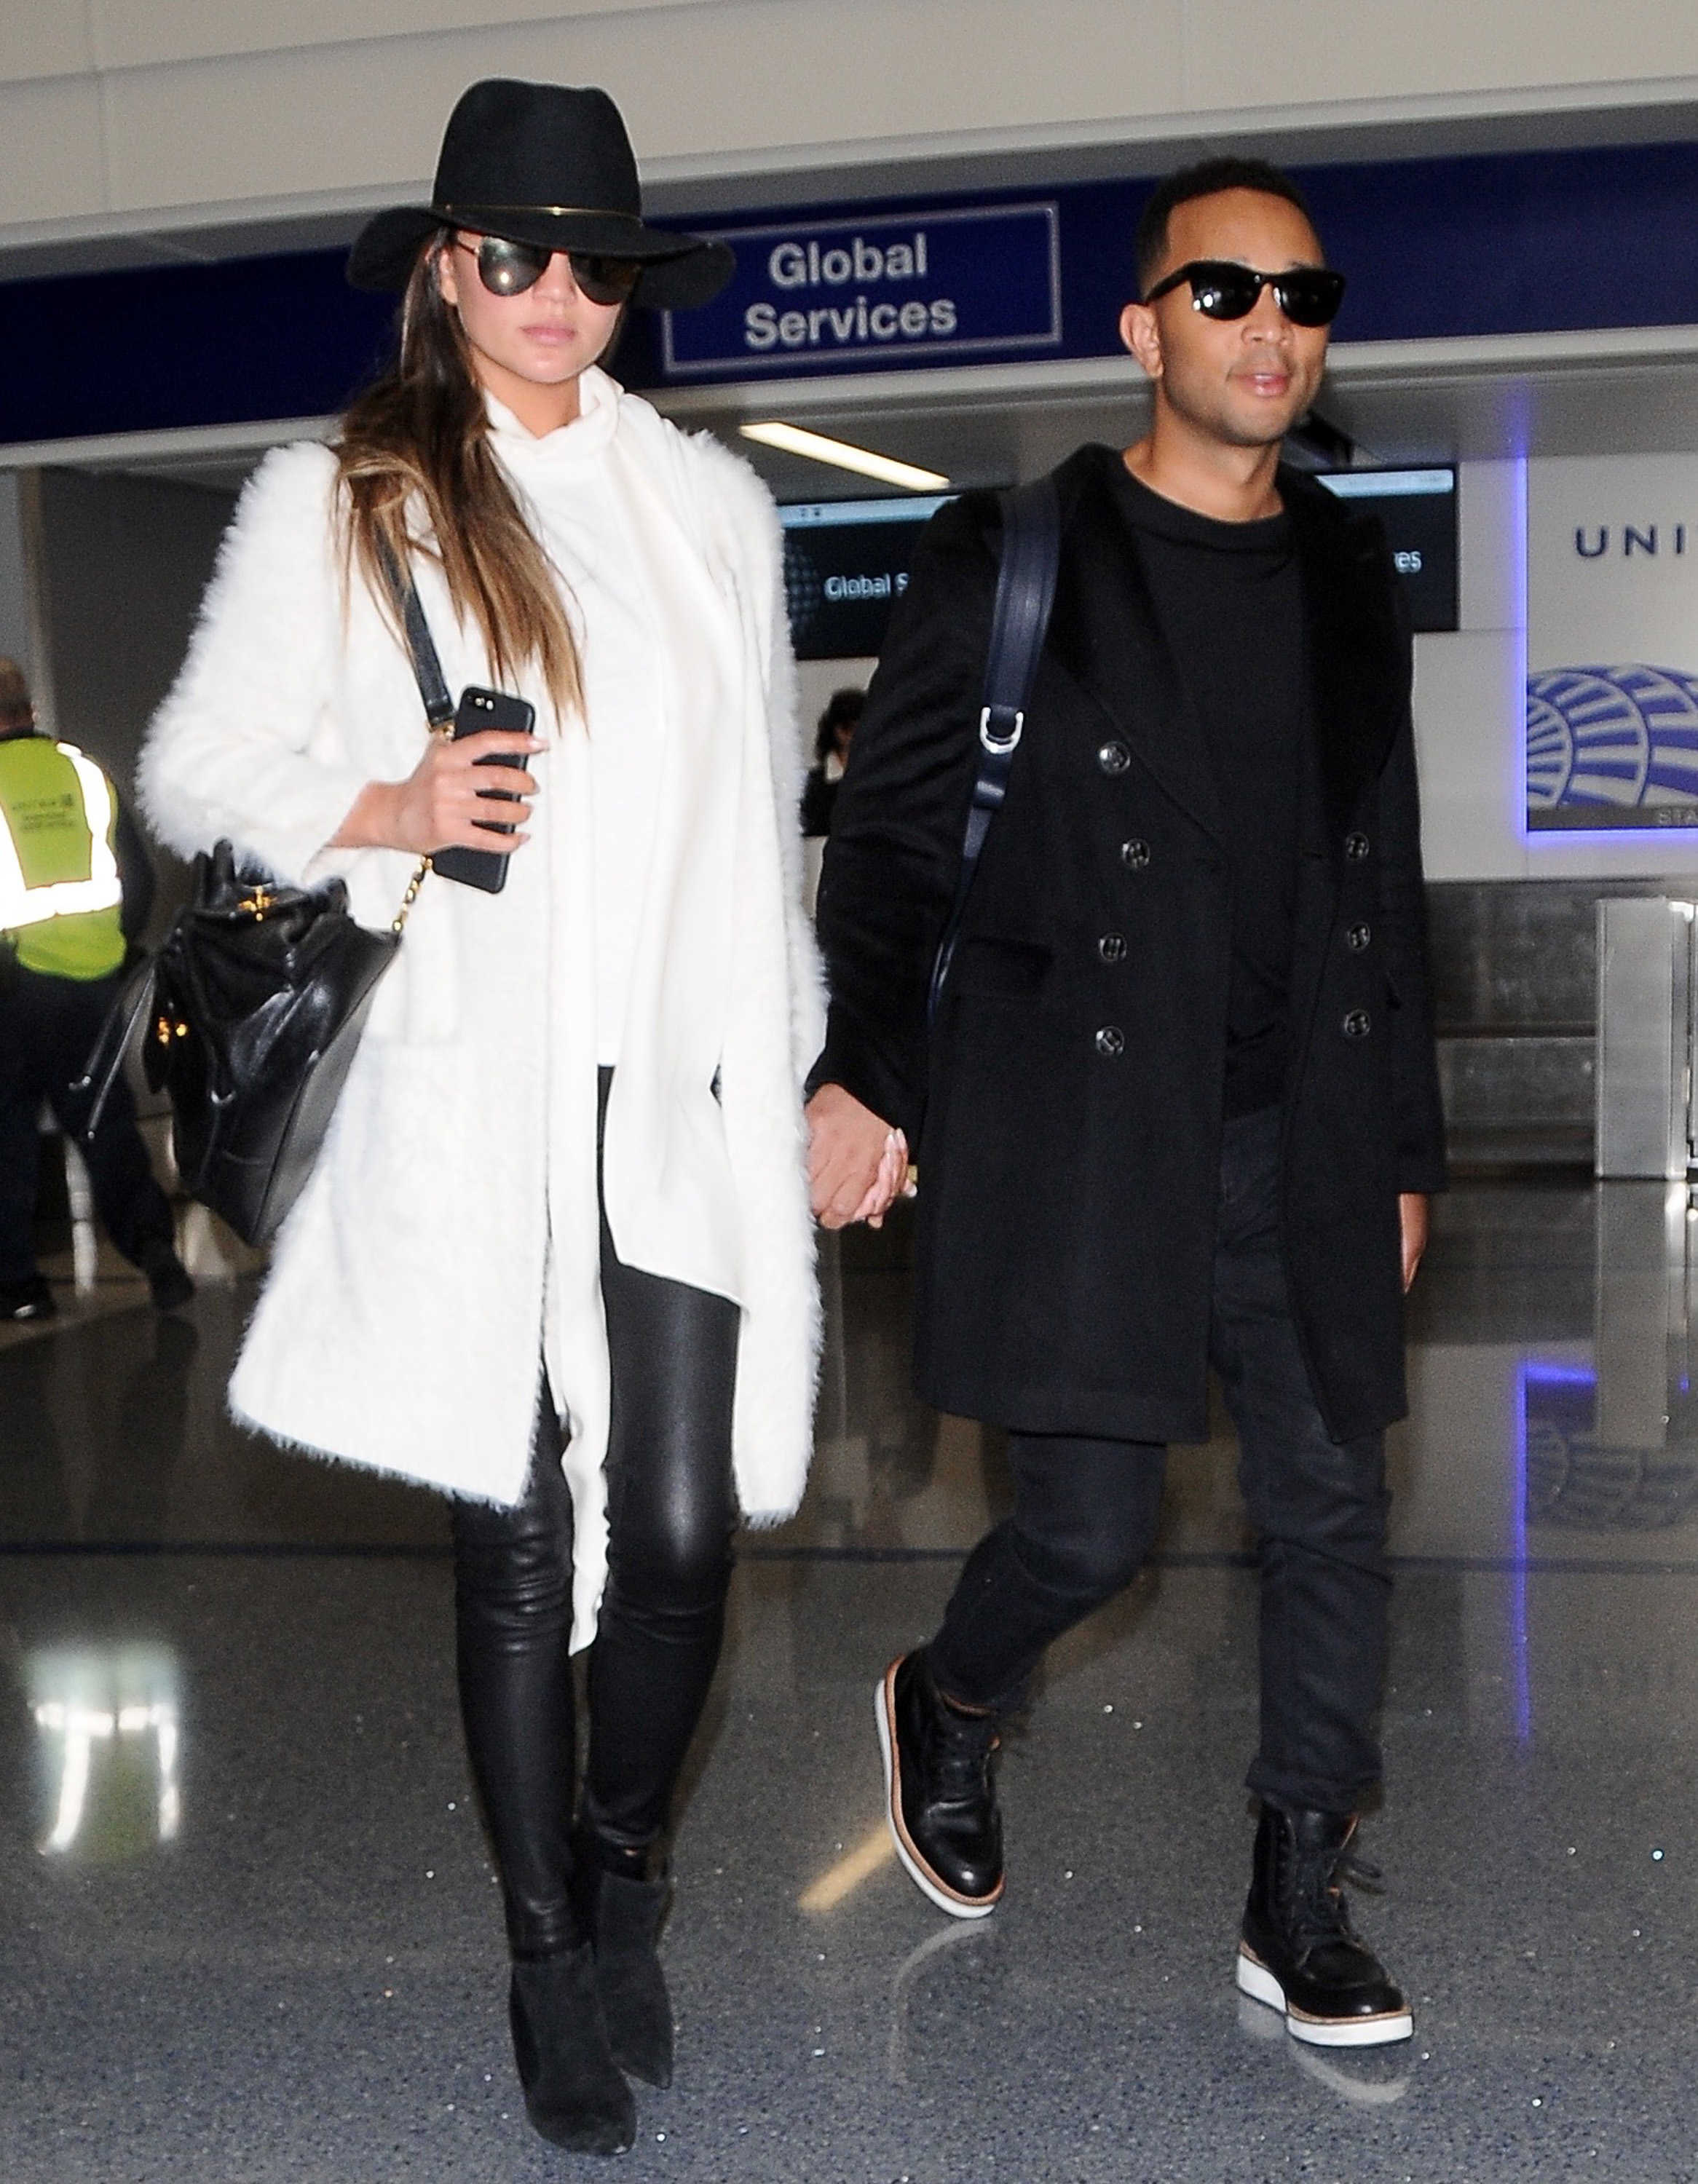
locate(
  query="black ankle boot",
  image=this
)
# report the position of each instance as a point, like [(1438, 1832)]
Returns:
[(940, 1800), (620, 1906), (1299, 1952), (574, 2094)]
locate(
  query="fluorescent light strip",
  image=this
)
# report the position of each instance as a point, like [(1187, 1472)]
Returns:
[(819, 448), (1385, 485)]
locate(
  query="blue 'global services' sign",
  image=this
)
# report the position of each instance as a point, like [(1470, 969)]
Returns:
[(848, 293)]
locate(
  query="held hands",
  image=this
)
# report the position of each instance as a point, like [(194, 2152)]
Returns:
[(443, 803), (858, 1166)]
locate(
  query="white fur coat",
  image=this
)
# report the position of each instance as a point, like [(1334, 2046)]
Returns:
[(447, 1237)]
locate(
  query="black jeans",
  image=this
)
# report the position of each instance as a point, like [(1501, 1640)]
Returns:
[(671, 1514), (47, 1030), (1085, 1513)]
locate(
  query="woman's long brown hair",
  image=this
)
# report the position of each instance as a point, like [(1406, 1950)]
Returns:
[(417, 441)]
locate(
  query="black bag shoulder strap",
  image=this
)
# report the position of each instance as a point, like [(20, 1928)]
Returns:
[(420, 645), (1025, 592), (438, 705)]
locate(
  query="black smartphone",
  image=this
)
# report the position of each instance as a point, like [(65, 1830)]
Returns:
[(479, 710)]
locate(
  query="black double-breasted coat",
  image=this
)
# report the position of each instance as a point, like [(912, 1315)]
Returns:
[(1065, 1106)]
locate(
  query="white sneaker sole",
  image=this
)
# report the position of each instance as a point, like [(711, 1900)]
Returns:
[(1256, 1980), (945, 1899)]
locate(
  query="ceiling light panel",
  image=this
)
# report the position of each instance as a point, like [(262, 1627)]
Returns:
[(794, 440)]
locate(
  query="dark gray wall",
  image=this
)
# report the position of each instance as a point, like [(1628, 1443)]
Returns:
[(14, 589), (121, 564), (1515, 975), (124, 562)]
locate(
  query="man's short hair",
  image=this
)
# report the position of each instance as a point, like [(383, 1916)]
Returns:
[(15, 708), (1207, 179)]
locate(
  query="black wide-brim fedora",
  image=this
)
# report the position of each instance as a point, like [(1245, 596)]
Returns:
[(542, 163)]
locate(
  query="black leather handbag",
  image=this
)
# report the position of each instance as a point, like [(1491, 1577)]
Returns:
[(254, 1003), (254, 1006)]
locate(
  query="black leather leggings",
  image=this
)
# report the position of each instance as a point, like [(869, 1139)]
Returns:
[(671, 1511)]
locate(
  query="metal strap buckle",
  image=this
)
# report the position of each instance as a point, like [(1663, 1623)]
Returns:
[(999, 744)]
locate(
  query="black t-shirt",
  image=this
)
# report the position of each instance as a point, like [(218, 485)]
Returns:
[(1228, 600)]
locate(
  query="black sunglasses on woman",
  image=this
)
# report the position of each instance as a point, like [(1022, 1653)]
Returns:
[(508, 269)]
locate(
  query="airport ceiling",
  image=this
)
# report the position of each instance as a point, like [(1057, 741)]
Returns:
[(691, 189), (1635, 391), (1404, 403)]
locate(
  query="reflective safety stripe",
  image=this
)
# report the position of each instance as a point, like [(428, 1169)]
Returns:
[(21, 904)]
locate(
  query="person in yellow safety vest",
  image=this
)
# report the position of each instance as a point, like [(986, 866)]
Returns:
[(75, 888)]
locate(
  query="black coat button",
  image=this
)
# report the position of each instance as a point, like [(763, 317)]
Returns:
[(1112, 947), (1358, 1024), (1135, 856), (1358, 937), (1110, 1041), (1114, 757), (1355, 847)]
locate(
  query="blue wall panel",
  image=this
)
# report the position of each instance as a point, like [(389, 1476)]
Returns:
[(1536, 242), (1503, 244), (231, 343)]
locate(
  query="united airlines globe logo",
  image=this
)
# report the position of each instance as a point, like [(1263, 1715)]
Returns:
[(1612, 746)]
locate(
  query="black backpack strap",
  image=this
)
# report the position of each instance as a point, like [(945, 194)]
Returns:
[(1025, 592), (420, 645)]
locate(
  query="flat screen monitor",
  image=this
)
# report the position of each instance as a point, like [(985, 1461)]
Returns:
[(846, 561)]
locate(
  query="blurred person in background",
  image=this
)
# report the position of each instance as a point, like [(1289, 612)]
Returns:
[(76, 889), (819, 792), (837, 724)]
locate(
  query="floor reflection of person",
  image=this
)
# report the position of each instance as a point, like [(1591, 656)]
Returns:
[(1180, 1104), (874, 1445), (40, 1505), (574, 1120)]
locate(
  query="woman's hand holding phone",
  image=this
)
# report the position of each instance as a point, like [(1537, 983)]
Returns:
[(443, 803)]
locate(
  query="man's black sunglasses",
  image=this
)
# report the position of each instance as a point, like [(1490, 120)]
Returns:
[(1308, 295), (508, 269)]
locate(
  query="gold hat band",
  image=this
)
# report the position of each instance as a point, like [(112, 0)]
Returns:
[(588, 212)]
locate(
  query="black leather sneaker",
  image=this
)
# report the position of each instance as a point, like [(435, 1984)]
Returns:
[(1299, 1952), (940, 1799)]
